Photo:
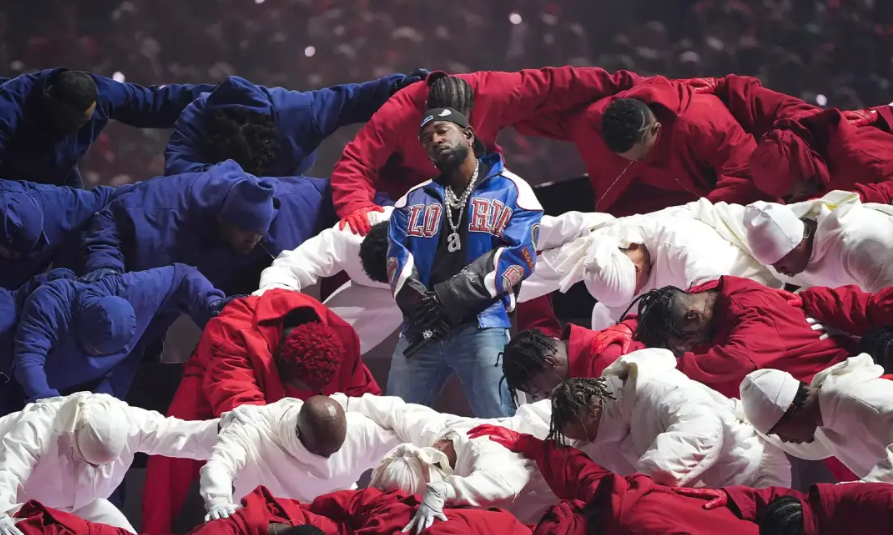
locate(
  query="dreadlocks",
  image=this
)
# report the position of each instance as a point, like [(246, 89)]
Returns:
[(523, 358), (658, 315), (247, 137), (879, 344), (450, 92), (571, 396), (784, 516)]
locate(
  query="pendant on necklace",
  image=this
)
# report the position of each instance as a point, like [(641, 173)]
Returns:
[(453, 243)]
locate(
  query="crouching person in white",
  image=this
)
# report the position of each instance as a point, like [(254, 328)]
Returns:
[(72, 452), (643, 415), (846, 412), (297, 449), (483, 473)]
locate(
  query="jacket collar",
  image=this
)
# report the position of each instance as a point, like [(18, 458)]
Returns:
[(494, 161)]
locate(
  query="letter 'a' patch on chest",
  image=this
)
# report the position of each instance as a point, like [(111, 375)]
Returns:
[(392, 270), (512, 276)]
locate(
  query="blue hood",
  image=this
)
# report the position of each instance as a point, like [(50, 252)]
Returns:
[(22, 222), (238, 93), (105, 324)]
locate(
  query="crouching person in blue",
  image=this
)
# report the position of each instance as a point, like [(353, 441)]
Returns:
[(271, 131), (11, 304), (221, 221), (459, 247), (49, 119), (42, 225), (75, 336)]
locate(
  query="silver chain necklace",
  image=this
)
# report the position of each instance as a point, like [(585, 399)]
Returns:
[(452, 202)]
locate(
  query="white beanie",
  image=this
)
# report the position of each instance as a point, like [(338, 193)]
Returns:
[(100, 432), (409, 469), (610, 275), (773, 231), (767, 395)]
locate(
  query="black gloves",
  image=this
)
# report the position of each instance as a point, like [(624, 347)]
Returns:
[(218, 305), (417, 75)]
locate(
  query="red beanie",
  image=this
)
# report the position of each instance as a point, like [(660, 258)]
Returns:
[(314, 351), (781, 159)]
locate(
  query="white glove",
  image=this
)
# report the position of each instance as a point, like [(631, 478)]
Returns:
[(816, 326), (243, 414), (221, 510), (430, 510), (8, 526)]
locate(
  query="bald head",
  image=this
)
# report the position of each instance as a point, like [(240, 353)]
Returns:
[(322, 426)]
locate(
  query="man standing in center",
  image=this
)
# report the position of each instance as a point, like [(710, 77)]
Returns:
[(460, 245)]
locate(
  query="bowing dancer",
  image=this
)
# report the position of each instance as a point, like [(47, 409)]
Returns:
[(365, 302), (630, 256), (221, 220), (11, 304), (844, 412), (386, 506), (535, 363), (71, 452), (298, 449), (725, 329), (455, 280), (595, 500), (804, 151), (90, 336), (42, 226), (482, 475), (832, 241), (259, 350), (825, 510), (34, 518), (655, 145), (271, 131), (49, 119), (643, 415)]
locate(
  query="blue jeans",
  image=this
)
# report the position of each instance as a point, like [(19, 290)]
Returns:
[(471, 353)]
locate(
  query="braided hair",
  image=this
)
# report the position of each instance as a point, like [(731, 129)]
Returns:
[(784, 516), (571, 396), (659, 315), (523, 358), (879, 344), (249, 138), (450, 92)]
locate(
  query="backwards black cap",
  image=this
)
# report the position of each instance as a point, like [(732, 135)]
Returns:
[(443, 114)]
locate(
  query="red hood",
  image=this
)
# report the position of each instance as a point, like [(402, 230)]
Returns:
[(276, 304), (260, 508)]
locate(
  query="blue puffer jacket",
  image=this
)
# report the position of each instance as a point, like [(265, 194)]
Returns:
[(29, 150), (65, 212), (502, 228), (175, 219), (49, 351), (304, 119)]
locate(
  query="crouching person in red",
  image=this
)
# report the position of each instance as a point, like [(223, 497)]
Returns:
[(37, 519), (825, 510), (258, 351), (595, 500), (388, 506)]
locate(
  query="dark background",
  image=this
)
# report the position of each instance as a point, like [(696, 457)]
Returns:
[(840, 49)]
